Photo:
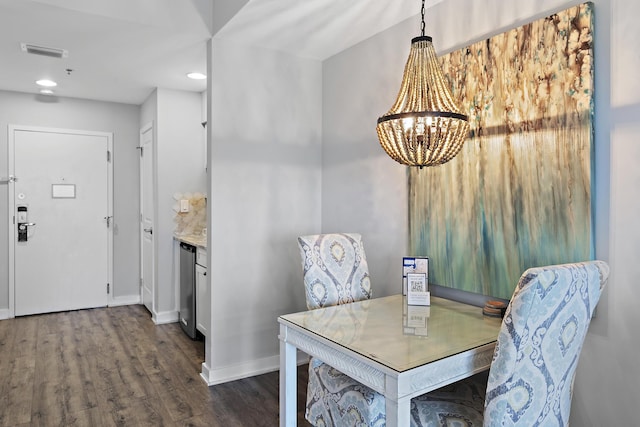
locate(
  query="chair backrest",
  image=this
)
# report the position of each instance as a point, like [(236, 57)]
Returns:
[(335, 269), (534, 364)]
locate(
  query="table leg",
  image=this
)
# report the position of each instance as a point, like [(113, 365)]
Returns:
[(288, 373), (398, 412)]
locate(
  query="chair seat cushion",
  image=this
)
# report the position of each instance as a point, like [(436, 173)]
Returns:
[(335, 399), (444, 414), (460, 404)]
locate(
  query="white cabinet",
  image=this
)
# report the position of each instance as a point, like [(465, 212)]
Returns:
[(203, 294), (201, 256)]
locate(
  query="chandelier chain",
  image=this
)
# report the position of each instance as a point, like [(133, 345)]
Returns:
[(422, 22)]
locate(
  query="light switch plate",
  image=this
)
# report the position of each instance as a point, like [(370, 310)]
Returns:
[(184, 205)]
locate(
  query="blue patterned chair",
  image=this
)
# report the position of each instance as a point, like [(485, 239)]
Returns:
[(531, 376), (336, 272)]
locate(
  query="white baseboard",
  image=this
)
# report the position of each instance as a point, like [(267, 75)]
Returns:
[(5, 314), (165, 317), (245, 370), (125, 300)]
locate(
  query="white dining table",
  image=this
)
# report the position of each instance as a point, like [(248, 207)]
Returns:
[(401, 351)]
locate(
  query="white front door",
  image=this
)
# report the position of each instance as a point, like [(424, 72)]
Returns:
[(146, 216), (61, 219)]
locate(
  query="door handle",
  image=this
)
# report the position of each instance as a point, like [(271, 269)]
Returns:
[(24, 225), (148, 230)]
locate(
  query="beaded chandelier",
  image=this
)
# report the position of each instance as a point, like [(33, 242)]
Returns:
[(424, 127)]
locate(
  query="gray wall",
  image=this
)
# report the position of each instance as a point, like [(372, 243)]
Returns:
[(69, 113), (179, 167), (265, 124), (363, 190), (361, 83)]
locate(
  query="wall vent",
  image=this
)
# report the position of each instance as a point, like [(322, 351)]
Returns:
[(51, 52)]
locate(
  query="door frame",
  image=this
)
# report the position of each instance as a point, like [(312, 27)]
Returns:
[(12, 128), (147, 127)]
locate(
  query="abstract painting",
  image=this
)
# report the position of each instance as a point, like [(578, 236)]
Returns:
[(519, 194)]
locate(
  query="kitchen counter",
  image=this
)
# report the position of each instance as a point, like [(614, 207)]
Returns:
[(192, 239)]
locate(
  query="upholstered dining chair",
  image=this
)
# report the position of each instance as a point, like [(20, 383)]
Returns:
[(531, 376), (335, 271)]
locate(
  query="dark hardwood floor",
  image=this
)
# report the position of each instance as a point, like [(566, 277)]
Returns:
[(114, 367)]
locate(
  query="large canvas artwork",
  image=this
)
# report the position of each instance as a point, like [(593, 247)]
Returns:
[(519, 193)]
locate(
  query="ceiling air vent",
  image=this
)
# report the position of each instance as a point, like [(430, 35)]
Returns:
[(51, 52)]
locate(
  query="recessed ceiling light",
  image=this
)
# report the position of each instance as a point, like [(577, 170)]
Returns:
[(197, 76), (46, 91), (46, 83)]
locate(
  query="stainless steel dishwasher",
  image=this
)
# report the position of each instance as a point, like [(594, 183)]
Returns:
[(187, 289)]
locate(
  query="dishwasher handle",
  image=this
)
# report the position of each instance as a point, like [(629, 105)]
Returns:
[(187, 247)]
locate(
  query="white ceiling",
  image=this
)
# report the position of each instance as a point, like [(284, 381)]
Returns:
[(317, 29), (120, 50)]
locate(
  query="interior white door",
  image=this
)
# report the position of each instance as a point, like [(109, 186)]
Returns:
[(61, 200), (146, 217)]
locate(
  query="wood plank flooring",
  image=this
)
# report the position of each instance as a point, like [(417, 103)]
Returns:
[(113, 367)]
